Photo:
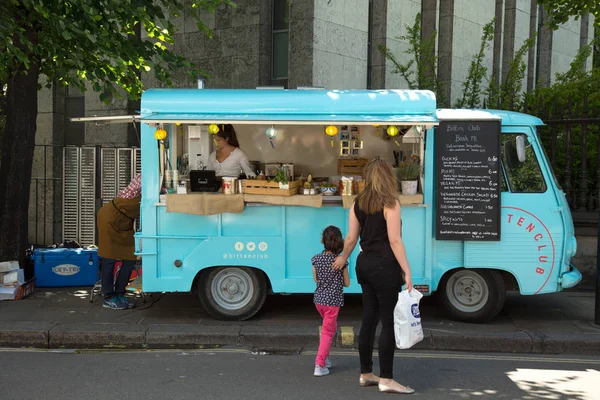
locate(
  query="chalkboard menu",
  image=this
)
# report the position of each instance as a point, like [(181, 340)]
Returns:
[(467, 159)]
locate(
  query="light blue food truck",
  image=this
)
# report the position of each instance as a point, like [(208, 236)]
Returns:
[(489, 215)]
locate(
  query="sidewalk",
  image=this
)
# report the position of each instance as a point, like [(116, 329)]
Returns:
[(559, 323)]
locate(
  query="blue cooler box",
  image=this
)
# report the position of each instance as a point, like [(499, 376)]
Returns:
[(65, 267)]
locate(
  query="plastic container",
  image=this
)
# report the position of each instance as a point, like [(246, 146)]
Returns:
[(65, 267)]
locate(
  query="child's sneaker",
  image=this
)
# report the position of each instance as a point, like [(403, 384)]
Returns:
[(327, 362), (321, 371), (114, 304)]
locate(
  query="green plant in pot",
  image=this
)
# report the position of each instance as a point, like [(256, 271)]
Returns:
[(281, 178), (408, 174)]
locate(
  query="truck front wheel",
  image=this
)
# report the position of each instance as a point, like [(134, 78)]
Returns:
[(473, 295), (232, 293)]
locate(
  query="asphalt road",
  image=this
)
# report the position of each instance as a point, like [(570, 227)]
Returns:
[(237, 374)]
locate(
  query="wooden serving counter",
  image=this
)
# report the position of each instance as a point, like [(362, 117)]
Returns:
[(218, 203)]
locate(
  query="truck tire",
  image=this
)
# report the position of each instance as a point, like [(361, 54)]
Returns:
[(232, 293), (473, 295)]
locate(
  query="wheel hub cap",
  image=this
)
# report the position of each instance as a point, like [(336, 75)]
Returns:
[(467, 291), (232, 288)]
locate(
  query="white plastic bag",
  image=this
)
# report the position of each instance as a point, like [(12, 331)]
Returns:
[(407, 319)]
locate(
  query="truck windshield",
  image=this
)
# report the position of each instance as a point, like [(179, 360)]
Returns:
[(523, 176)]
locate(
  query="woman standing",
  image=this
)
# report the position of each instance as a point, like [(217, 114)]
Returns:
[(375, 219), (228, 159)]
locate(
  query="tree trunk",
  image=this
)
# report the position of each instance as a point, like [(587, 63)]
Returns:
[(18, 144)]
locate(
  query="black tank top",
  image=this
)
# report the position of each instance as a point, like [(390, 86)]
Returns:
[(373, 233)]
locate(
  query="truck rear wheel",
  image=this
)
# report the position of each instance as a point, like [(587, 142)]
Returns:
[(232, 293), (473, 295)]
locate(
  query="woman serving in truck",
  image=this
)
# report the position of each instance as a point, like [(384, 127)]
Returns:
[(228, 159)]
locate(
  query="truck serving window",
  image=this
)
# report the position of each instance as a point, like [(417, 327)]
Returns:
[(523, 176)]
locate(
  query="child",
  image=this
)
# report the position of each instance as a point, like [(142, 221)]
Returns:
[(329, 296)]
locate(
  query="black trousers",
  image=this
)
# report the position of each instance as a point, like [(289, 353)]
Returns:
[(381, 281), (109, 286)]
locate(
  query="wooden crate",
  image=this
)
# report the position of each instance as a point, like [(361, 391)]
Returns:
[(252, 186), (352, 166)]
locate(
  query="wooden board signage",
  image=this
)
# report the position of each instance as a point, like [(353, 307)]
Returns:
[(467, 159)]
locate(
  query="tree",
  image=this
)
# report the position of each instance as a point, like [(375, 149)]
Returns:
[(560, 11), (72, 42)]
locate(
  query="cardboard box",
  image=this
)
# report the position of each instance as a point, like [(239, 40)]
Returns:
[(17, 292), (8, 266), (8, 292), (13, 277), (25, 289)]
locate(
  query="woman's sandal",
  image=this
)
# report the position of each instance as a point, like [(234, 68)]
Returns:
[(386, 389), (366, 382)]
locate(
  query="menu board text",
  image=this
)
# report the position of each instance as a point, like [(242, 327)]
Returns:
[(467, 180)]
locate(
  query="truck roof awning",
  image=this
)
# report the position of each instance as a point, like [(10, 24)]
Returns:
[(288, 106), (289, 119)]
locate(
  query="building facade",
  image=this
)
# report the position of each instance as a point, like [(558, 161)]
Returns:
[(333, 44)]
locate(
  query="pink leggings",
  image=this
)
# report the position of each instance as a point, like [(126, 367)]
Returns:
[(329, 314)]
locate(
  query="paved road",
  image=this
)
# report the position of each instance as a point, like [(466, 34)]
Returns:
[(237, 374)]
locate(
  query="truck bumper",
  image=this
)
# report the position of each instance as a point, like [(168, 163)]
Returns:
[(570, 278)]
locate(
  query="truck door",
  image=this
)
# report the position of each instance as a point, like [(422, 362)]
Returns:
[(532, 228)]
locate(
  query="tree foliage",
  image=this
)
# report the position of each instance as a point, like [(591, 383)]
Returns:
[(79, 41), (76, 42), (560, 11)]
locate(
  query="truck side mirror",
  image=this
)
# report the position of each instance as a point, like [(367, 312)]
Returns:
[(521, 155)]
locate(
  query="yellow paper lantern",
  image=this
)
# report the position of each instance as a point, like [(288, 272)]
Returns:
[(331, 130), (213, 128), (392, 130), (160, 134)]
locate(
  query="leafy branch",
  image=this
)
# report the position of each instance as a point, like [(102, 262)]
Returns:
[(419, 72), (471, 96)]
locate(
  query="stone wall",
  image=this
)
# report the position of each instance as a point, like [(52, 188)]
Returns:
[(45, 203), (340, 41), (468, 30), (234, 56), (400, 13), (301, 43)]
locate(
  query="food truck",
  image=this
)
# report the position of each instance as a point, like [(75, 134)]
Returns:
[(487, 216)]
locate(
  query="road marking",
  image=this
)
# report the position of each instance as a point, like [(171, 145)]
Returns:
[(471, 357), (433, 355), (347, 335)]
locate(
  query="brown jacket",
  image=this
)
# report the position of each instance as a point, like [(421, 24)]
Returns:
[(116, 228)]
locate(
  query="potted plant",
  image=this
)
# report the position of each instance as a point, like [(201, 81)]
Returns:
[(282, 178), (408, 174)]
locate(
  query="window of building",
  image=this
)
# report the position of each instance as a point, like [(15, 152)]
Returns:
[(523, 176), (280, 39), (74, 108)]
